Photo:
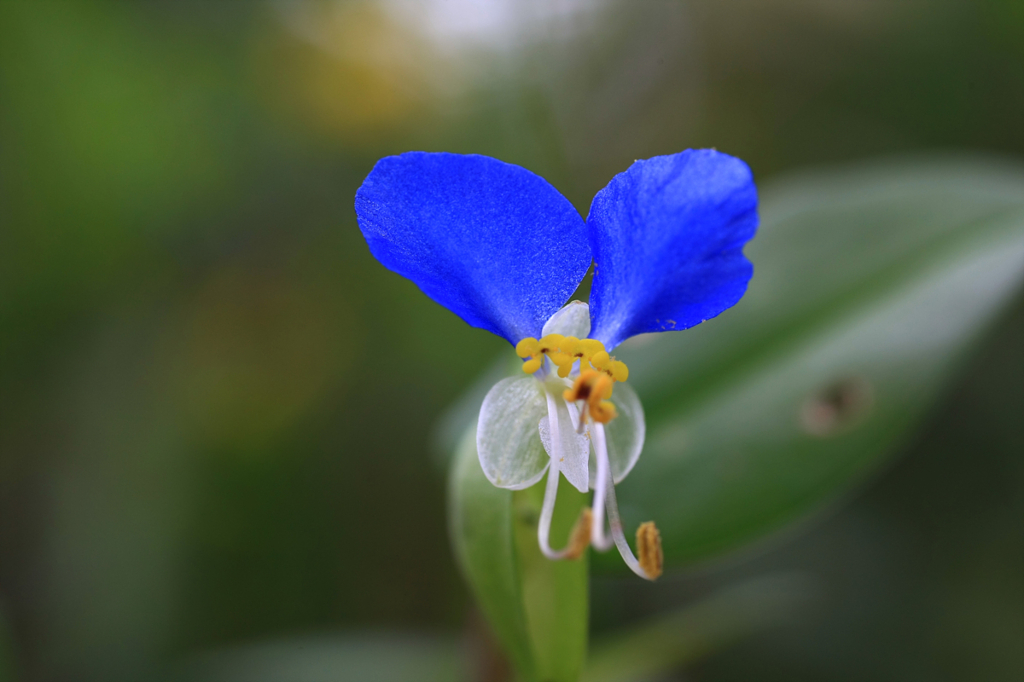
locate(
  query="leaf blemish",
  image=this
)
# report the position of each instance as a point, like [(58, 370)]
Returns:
[(837, 406)]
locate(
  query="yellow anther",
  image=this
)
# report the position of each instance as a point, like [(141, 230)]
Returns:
[(594, 388), (588, 347), (560, 358), (579, 540), (570, 346), (531, 366), (528, 347), (648, 546), (619, 370), (603, 411), (598, 370), (582, 387), (550, 343)]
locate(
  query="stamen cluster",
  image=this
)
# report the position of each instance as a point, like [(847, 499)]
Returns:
[(563, 351), (598, 371)]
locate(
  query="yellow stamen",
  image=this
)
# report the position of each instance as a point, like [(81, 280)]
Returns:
[(598, 370), (550, 343), (532, 365), (603, 411), (527, 348), (648, 546), (570, 346), (560, 358), (594, 388), (579, 540)]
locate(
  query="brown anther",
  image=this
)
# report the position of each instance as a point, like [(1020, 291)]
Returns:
[(648, 547), (603, 411), (594, 388), (550, 343), (602, 387), (579, 539), (581, 388)]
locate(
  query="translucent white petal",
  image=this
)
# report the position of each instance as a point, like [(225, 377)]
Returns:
[(625, 433), (575, 448), (572, 320), (507, 439)]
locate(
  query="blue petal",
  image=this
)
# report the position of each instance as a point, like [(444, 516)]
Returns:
[(667, 237), (492, 242)]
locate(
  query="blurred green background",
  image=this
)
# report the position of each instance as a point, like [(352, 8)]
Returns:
[(217, 410)]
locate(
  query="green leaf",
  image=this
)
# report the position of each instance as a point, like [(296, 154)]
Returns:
[(555, 593), (480, 520), (328, 656), (537, 608), (870, 285), (668, 642)]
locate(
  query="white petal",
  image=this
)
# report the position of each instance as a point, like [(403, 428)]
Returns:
[(507, 440), (575, 448), (572, 320), (625, 434)]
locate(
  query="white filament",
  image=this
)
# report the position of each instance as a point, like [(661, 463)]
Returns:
[(614, 522), (547, 510), (604, 493), (598, 539)]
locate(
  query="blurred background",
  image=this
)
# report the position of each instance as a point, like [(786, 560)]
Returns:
[(217, 410)]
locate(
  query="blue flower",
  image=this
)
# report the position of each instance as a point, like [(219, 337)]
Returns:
[(502, 249)]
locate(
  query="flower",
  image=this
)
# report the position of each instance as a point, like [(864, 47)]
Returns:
[(503, 250)]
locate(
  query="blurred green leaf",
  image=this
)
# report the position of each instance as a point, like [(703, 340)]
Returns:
[(480, 517), (340, 658), (555, 593), (869, 286), (537, 608), (668, 642)]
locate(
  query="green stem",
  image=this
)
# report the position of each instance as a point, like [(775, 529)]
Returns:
[(554, 593), (537, 608)]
